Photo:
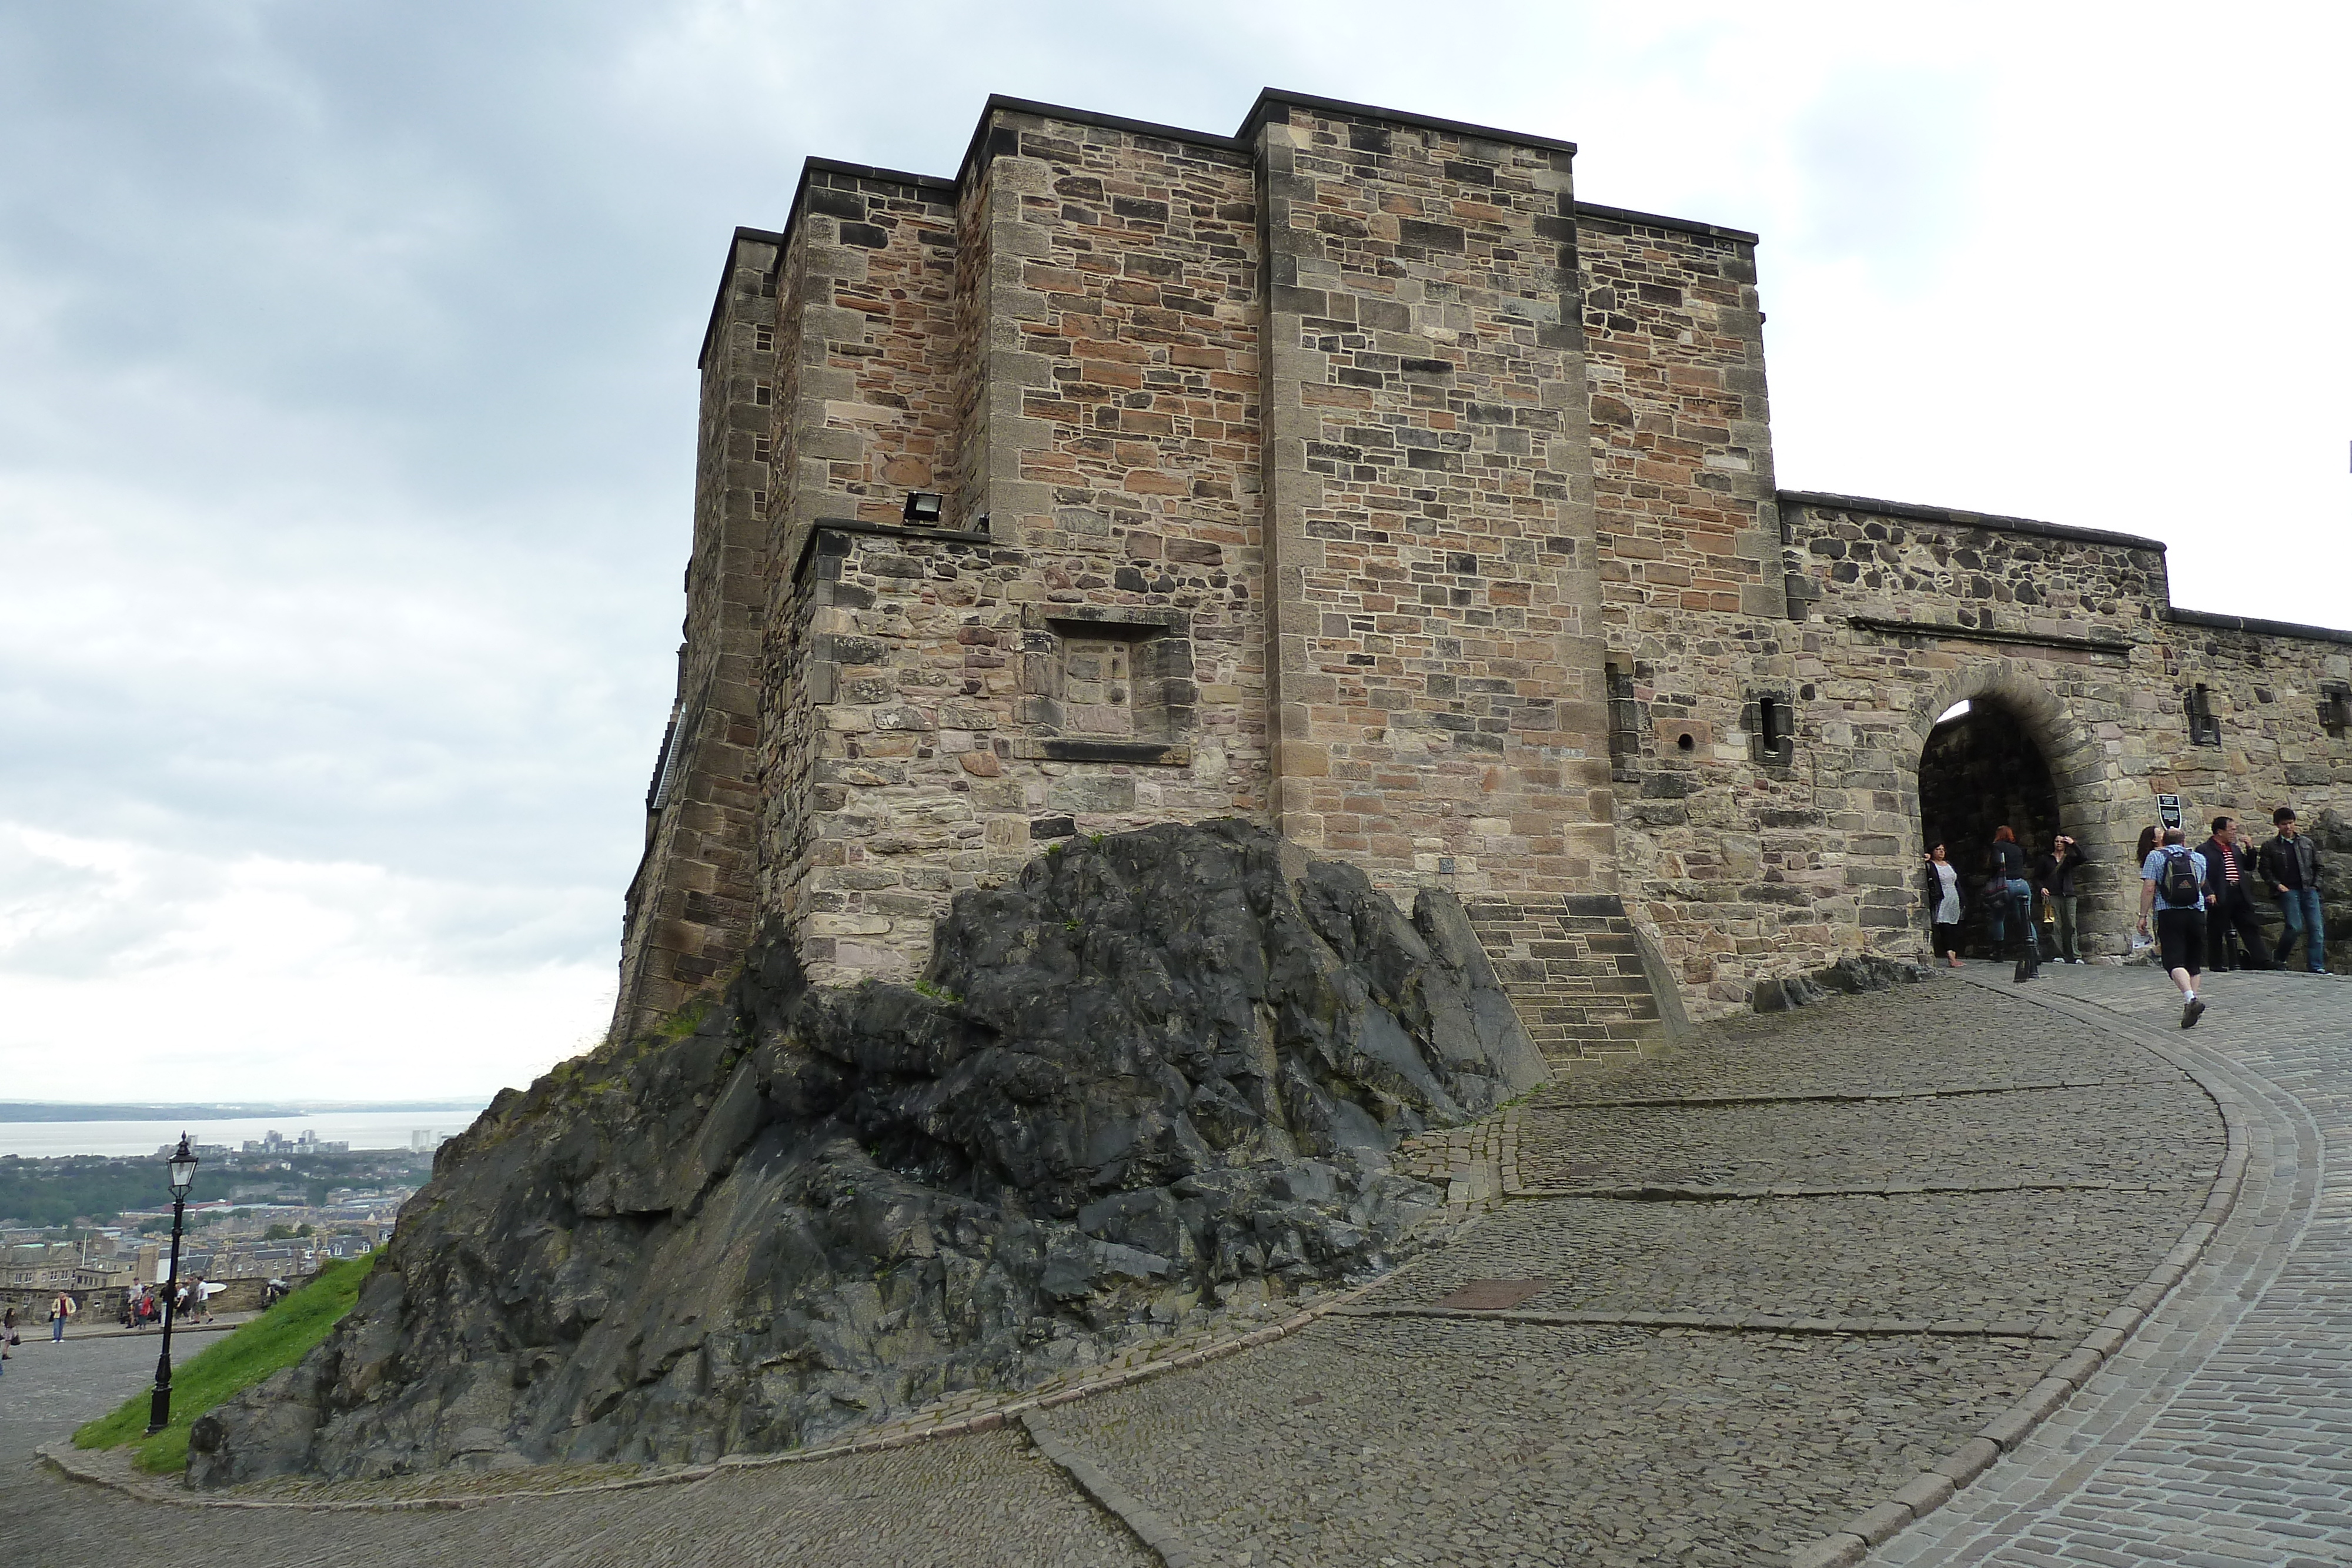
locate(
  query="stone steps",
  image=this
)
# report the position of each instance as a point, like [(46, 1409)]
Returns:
[(1573, 967)]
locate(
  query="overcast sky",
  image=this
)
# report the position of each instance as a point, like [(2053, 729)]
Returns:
[(347, 398)]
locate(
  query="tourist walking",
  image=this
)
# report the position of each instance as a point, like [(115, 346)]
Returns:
[(2172, 885), (2017, 887), (2053, 874), (1943, 885), (64, 1307), (2229, 909), (2289, 867)]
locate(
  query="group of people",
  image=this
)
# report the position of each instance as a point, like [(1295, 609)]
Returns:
[(2195, 904), (2196, 899), (142, 1308), (2019, 885)]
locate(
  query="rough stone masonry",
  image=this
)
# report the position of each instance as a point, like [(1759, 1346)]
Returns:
[(1348, 475)]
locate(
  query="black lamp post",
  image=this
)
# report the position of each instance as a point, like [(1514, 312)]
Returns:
[(183, 1166)]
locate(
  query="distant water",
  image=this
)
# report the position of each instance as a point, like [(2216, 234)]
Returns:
[(361, 1129)]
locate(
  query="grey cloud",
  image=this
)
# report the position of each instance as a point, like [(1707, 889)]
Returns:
[(1886, 161), (345, 457)]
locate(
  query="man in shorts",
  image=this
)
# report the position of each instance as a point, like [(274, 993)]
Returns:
[(2172, 884)]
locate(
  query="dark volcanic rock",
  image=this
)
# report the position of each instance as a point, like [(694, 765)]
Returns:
[(1855, 973), (1160, 1076)]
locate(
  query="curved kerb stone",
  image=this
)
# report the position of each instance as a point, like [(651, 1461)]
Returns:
[(1851, 1542), (1159, 1537)]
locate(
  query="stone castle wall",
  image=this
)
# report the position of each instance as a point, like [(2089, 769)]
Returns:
[(1911, 609), (1439, 671), (1720, 849), (1348, 474), (693, 902), (1084, 650)]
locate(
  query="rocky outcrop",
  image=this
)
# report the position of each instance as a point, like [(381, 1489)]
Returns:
[(1160, 1076), (1850, 976)]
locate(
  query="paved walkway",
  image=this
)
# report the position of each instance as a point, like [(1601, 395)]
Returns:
[(2222, 1432), (1804, 1259), (1746, 1291)]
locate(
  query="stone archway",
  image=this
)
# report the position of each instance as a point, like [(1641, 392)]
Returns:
[(2075, 766), (1977, 772)]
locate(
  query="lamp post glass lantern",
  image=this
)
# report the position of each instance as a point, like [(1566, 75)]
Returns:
[(182, 1166)]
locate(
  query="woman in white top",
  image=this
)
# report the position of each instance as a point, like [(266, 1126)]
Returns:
[(1944, 904)]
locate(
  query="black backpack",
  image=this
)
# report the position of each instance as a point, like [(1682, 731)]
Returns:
[(2178, 881)]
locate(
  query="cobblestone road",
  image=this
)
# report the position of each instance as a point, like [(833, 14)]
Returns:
[(1403, 1429), (990, 1500), (1444, 1440), (2221, 1435)]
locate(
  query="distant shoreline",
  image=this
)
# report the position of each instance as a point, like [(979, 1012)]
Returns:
[(44, 1111)]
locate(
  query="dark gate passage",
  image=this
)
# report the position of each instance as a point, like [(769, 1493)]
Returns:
[(1977, 772)]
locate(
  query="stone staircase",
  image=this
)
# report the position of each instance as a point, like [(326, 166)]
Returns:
[(1572, 966)]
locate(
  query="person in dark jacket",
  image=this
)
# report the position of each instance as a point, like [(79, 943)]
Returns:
[(2010, 865), (2229, 872), (2289, 867), (2053, 875)]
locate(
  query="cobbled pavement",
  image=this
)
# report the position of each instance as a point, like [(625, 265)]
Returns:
[(2220, 1437)]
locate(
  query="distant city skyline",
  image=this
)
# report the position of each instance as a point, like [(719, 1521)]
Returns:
[(68, 1111)]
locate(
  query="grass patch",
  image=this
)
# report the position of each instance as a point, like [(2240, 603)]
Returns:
[(686, 1019), (232, 1363)]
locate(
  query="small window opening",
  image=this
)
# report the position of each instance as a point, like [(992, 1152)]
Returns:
[(2204, 730), (1625, 723), (763, 338), (761, 447), (763, 395), (1772, 735), (2335, 708)]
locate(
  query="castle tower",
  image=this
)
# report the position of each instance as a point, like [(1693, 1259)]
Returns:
[(1348, 474)]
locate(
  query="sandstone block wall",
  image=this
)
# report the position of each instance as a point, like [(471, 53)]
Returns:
[(1438, 688), (1681, 422), (1724, 854), (865, 407), (1912, 609), (914, 772), (691, 907)]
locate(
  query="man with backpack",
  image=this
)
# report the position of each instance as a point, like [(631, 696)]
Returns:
[(2289, 865), (2172, 884)]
